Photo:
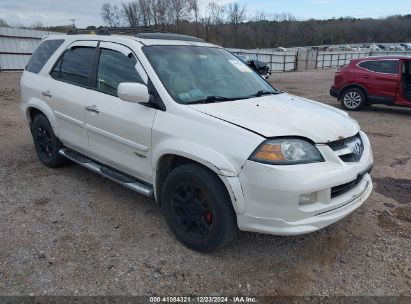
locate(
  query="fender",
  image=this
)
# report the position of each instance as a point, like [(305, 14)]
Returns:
[(41, 106), (207, 157)]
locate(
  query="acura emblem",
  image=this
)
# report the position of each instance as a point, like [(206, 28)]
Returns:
[(356, 146)]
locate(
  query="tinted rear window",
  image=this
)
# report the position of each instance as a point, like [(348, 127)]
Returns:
[(42, 54), (75, 65), (381, 66)]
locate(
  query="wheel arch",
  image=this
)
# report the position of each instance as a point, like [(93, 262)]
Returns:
[(35, 107), (168, 161), (356, 86)]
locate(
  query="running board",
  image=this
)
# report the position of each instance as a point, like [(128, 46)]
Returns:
[(116, 176)]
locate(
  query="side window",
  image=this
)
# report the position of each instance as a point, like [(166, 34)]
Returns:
[(42, 54), (382, 66), (75, 65), (115, 67), (364, 64)]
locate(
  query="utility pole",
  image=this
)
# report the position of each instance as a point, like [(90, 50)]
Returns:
[(72, 20)]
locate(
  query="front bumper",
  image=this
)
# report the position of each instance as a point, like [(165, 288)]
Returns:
[(291, 200)]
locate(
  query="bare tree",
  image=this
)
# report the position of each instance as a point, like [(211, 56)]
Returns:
[(154, 12), (178, 10), (217, 13), (3, 23), (162, 12), (132, 13), (236, 15), (260, 16), (145, 11), (195, 9), (110, 14), (38, 25)]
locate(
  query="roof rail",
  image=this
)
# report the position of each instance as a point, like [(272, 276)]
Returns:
[(112, 30), (99, 31), (136, 32), (167, 36)]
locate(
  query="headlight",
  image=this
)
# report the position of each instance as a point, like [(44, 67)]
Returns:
[(286, 151)]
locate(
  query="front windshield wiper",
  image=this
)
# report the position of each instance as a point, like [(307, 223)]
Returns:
[(264, 92), (212, 99)]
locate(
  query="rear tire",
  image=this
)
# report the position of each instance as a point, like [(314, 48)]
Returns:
[(46, 143), (353, 99), (198, 209)]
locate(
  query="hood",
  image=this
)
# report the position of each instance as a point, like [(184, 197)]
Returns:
[(284, 115)]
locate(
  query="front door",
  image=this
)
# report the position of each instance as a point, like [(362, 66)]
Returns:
[(119, 132)]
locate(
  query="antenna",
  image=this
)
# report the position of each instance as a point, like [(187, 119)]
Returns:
[(72, 20)]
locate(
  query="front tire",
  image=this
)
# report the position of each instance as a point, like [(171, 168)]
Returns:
[(198, 209), (353, 99), (46, 143)]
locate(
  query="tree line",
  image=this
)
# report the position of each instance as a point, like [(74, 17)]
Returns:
[(179, 16), (231, 25)]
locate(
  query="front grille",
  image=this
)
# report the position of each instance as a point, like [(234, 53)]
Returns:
[(355, 147), (344, 188), (337, 145)]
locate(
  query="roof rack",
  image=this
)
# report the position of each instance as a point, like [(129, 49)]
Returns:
[(167, 36), (136, 32), (131, 30), (99, 31)]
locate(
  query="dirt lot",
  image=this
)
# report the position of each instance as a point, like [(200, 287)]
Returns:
[(71, 232)]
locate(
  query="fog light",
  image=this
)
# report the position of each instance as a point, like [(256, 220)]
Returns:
[(307, 199)]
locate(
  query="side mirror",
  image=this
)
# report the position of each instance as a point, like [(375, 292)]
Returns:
[(133, 92)]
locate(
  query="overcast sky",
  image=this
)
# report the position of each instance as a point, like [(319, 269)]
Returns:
[(87, 12)]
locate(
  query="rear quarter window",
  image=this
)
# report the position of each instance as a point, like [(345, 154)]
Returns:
[(42, 54)]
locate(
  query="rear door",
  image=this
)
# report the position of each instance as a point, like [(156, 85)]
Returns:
[(34, 84), (381, 78), (68, 88), (119, 132)]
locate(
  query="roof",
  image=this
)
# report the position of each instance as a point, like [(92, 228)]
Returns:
[(168, 36), (399, 57)]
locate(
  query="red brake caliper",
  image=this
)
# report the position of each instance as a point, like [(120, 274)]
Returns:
[(208, 217)]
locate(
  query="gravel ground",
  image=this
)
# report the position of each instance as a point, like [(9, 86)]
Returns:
[(71, 232)]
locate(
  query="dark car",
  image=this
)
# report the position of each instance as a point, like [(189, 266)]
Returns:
[(260, 67), (374, 80)]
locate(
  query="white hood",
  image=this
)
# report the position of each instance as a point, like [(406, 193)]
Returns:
[(284, 115)]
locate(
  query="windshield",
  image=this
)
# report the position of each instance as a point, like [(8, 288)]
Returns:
[(205, 74)]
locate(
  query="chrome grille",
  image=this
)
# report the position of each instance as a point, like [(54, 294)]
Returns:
[(349, 149)]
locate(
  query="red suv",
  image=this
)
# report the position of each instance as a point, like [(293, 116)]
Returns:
[(374, 80)]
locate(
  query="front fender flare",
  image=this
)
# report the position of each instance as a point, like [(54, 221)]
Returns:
[(208, 158)]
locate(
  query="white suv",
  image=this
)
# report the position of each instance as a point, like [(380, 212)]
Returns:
[(187, 122)]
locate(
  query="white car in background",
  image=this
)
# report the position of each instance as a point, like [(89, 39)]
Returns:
[(187, 122), (374, 47)]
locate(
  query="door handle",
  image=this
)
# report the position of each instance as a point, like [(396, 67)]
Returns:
[(46, 93), (367, 76), (93, 108)]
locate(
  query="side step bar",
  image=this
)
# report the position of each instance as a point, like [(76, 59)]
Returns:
[(116, 176)]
